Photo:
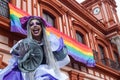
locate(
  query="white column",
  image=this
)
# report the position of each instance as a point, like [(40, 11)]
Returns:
[(116, 40)]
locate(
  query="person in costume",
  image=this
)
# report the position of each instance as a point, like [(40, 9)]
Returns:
[(37, 57)]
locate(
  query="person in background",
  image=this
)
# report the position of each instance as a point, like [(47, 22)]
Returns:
[(37, 57)]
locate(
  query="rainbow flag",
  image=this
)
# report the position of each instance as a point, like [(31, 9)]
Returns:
[(15, 14), (78, 51)]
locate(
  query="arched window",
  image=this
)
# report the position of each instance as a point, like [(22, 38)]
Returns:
[(49, 18), (116, 56), (102, 54), (80, 37), (4, 9)]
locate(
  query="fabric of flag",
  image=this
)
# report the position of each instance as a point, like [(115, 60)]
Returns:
[(15, 14), (77, 50)]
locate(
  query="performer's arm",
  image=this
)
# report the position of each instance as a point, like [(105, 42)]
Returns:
[(13, 49), (20, 48), (61, 55), (63, 62)]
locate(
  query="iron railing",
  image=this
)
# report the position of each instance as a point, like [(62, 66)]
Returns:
[(106, 61), (113, 64), (4, 9)]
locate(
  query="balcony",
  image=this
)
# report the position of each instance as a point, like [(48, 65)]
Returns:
[(113, 64), (107, 62), (4, 9)]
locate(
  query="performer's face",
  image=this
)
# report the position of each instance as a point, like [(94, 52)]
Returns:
[(35, 27)]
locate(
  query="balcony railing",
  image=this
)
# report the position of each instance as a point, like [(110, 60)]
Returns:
[(110, 63), (107, 62), (4, 9)]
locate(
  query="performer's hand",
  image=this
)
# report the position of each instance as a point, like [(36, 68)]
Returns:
[(26, 56), (21, 49)]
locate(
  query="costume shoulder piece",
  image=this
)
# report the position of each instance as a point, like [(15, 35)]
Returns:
[(60, 55)]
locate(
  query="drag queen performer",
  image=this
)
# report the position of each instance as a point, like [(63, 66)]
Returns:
[(36, 57)]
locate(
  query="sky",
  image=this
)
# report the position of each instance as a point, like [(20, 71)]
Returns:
[(117, 3)]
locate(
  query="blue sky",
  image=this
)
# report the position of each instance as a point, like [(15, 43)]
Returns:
[(117, 3)]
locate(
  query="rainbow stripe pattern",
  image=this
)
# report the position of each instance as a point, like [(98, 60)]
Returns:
[(15, 14), (78, 51)]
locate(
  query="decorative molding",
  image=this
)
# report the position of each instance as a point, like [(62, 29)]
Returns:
[(4, 51), (4, 22)]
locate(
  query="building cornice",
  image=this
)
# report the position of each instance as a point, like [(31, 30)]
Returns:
[(82, 12)]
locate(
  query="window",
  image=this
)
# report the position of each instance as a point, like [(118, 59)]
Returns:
[(116, 56), (4, 9), (50, 19), (102, 54), (80, 37)]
